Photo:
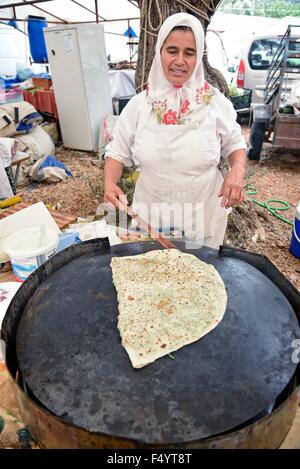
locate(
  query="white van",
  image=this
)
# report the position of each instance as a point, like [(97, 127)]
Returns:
[(255, 57)]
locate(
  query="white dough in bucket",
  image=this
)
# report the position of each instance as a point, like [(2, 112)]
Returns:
[(30, 248)]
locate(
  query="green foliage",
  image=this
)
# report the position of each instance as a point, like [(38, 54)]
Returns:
[(266, 8), (234, 91), (278, 9), (127, 184)]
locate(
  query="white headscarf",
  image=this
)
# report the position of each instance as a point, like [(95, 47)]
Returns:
[(173, 105)]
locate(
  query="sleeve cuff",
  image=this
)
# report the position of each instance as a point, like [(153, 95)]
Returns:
[(227, 150), (125, 161)]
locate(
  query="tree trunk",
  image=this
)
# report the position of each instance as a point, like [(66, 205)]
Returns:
[(150, 23)]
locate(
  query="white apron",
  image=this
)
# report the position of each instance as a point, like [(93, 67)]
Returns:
[(179, 180)]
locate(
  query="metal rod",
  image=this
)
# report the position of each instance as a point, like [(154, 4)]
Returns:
[(85, 8), (133, 3), (44, 11), (69, 22), (19, 4), (15, 19), (128, 24), (166, 243), (120, 19), (96, 10), (32, 2), (26, 20), (116, 34), (103, 21)]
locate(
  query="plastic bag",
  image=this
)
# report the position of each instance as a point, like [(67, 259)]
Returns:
[(294, 98), (108, 122), (48, 169), (5, 187), (23, 72), (6, 147), (38, 143)]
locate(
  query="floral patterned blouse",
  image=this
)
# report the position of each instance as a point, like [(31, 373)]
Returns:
[(219, 120)]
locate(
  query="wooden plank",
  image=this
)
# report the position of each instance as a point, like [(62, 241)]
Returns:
[(292, 440), (8, 276), (63, 220), (287, 131)]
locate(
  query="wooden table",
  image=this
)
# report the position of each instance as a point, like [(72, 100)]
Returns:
[(63, 220), (42, 100), (7, 276)]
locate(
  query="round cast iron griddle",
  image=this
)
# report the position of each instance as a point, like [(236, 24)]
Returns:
[(71, 357)]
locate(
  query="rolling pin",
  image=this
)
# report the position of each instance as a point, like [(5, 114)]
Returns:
[(11, 201)]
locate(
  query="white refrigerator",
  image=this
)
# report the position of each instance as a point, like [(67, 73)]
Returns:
[(79, 71)]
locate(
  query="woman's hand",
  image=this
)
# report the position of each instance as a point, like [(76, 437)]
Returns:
[(232, 190), (114, 195)]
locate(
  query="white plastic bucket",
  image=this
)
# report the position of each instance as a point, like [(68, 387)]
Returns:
[(30, 248)]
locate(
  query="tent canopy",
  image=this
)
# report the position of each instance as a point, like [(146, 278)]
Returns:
[(14, 46), (69, 10)]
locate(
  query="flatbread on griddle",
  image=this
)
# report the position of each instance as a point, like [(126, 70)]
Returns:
[(167, 299)]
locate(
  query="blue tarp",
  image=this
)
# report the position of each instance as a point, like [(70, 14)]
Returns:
[(130, 32), (8, 82), (51, 161)]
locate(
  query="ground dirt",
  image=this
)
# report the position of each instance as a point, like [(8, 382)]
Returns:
[(250, 227)]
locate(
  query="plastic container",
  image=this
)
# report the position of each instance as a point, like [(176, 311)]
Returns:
[(11, 96), (242, 101), (30, 248), (67, 239), (295, 241), (36, 38)]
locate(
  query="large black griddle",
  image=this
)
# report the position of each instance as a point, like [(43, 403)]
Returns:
[(72, 361)]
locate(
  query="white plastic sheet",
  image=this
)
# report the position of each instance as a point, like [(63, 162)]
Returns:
[(294, 97), (5, 188), (121, 83)]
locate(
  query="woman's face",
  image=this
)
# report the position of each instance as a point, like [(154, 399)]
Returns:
[(178, 56)]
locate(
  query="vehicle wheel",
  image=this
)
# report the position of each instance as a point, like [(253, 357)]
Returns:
[(257, 135)]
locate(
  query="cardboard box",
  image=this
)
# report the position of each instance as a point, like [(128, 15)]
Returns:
[(44, 83)]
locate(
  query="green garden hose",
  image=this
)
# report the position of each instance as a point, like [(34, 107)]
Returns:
[(251, 190)]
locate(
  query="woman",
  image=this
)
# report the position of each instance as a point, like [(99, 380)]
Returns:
[(175, 133)]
